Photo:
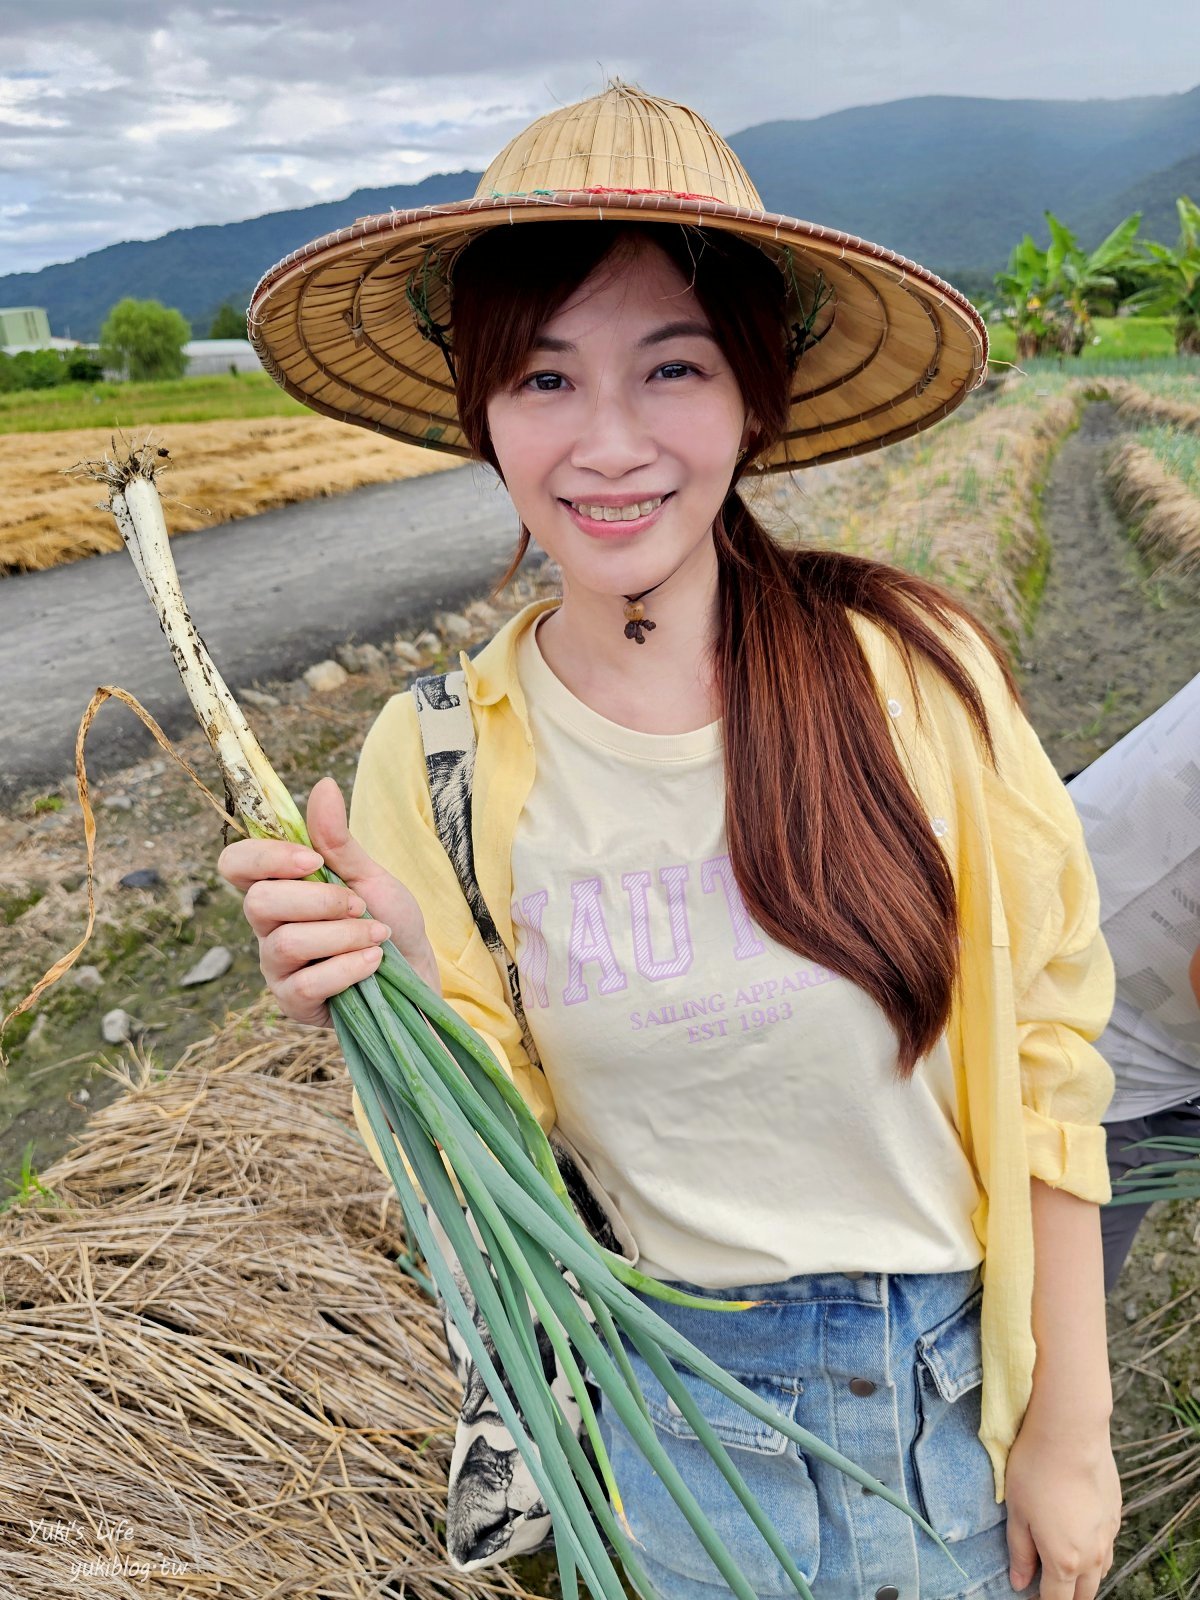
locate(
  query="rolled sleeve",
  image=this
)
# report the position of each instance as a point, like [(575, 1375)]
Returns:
[(1064, 982), (1066, 1084)]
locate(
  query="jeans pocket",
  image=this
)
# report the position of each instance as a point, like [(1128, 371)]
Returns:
[(776, 1475), (953, 1470)]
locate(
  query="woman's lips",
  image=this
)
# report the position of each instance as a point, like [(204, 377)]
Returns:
[(618, 528)]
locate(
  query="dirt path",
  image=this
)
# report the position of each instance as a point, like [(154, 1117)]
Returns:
[(271, 594), (1110, 643)]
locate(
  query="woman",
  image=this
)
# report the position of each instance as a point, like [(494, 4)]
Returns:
[(805, 929)]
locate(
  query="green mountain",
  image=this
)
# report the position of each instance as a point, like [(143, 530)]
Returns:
[(196, 269), (951, 181), (955, 182)]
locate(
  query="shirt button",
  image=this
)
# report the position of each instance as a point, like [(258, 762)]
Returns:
[(861, 1386), (894, 708), (888, 1592), (939, 826)]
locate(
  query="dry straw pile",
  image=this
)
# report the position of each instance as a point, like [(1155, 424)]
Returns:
[(1163, 511), (226, 470), (215, 1378), (1139, 402)]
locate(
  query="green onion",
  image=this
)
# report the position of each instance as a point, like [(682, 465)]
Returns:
[(424, 1075)]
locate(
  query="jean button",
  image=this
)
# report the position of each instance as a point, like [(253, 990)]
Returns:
[(853, 1274), (861, 1386), (888, 1592)]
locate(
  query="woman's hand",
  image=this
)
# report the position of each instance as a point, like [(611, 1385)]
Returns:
[(1063, 1494), (313, 939)]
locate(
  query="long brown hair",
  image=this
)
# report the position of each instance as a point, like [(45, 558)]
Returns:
[(830, 847)]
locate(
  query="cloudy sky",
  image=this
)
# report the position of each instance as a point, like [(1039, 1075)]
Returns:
[(121, 119)]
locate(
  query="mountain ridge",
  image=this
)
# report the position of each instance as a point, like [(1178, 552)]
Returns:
[(952, 181)]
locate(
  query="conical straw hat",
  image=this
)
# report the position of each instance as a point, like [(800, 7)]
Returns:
[(347, 324)]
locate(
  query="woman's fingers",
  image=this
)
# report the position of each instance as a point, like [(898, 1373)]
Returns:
[(270, 901), (314, 938), (303, 995), (246, 860), (293, 944)]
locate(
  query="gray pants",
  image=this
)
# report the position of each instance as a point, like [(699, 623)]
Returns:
[(1119, 1224)]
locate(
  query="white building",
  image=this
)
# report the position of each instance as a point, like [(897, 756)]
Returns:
[(206, 356), (28, 328)]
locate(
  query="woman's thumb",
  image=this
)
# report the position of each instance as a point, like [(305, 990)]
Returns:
[(326, 816)]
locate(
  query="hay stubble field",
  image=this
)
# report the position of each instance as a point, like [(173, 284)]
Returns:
[(223, 470)]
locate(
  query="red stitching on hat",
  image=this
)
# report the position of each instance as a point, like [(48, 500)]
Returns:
[(676, 194)]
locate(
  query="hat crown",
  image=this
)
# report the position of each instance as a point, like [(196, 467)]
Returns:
[(621, 139)]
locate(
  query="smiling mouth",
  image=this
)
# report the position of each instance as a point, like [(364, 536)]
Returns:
[(629, 513)]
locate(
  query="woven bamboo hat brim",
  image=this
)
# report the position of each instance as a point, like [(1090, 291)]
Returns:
[(895, 348)]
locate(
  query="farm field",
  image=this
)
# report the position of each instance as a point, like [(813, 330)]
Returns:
[(1015, 502), (1114, 338), (217, 398), (227, 469)]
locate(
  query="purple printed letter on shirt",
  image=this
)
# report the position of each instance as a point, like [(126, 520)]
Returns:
[(636, 885), (590, 942), (746, 943)]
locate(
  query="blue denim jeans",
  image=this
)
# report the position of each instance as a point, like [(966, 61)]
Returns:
[(885, 1367)]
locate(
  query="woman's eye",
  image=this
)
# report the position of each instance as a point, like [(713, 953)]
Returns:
[(535, 378)]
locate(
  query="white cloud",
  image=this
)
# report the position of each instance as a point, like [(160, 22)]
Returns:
[(183, 119), (126, 118)]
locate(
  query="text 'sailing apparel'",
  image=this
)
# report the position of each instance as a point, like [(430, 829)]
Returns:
[(737, 1101), (1037, 977)]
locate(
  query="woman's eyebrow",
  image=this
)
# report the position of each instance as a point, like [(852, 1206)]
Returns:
[(669, 330)]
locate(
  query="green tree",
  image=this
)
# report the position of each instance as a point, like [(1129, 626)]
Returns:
[(229, 322), (1174, 287), (31, 369), (82, 367), (145, 339)]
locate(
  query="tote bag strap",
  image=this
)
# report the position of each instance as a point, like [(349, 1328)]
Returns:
[(448, 737)]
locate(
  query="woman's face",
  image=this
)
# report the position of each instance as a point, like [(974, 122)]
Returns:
[(625, 397)]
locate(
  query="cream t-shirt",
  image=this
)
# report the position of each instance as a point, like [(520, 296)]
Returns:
[(735, 1099)]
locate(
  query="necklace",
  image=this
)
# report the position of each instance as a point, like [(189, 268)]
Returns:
[(636, 619)]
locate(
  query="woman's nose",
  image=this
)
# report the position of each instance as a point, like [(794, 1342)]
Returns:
[(612, 440)]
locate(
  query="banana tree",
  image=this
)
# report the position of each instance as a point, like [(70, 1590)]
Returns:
[(1173, 289), (1024, 288), (1052, 293)]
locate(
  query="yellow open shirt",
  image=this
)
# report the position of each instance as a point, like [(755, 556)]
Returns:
[(1037, 984)]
